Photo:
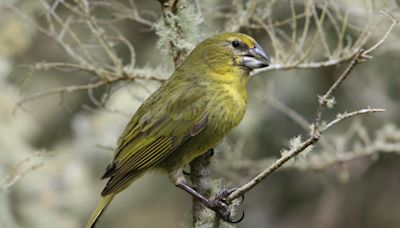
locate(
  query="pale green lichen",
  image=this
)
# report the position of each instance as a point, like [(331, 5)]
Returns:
[(294, 144), (180, 29), (330, 102)]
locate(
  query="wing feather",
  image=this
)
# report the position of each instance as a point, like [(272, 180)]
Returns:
[(126, 173), (154, 132)]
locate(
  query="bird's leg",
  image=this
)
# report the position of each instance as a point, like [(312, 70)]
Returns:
[(218, 204), (187, 173), (208, 155)]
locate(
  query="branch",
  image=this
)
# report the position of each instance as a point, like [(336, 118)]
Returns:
[(170, 7), (199, 175), (124, 12), (342, 117), (322, 104), (22, 168), (360, 56), (199, 166), (294, 48), (384, 142), (310, 65), (350, 156), (75, 88)]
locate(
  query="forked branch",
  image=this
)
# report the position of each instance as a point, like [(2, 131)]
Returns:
[(360, 56)]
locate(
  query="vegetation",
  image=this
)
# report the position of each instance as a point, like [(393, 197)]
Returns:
[(73, 72)]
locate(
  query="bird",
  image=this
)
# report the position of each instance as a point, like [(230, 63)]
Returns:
[(193, 110)]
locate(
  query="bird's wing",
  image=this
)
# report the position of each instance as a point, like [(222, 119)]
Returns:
[(160, 126)]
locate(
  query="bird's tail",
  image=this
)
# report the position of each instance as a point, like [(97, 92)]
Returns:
[(101, 206)]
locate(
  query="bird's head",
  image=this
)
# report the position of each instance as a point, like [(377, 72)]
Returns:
[(229, 53)]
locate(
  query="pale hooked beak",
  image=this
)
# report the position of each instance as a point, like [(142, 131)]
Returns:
[(255, 58)]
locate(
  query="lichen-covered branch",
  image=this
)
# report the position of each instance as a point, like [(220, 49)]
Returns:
[(199, 166), (170, 10)]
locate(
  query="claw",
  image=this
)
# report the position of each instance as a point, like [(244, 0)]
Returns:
[(224, 213), (221, 206), (237, 221), (221, 209)]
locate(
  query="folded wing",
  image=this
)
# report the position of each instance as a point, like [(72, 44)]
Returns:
[(157, 129)]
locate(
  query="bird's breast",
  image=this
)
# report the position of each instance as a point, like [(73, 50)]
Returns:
[(227, 109), (224, 110)]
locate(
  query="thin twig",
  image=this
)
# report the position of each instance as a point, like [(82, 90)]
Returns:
[(395, 21), (342, 117), (316, 132), (22, 168), (85, 87), (359, 153), (319, 21), (312, 65), (297, 118)]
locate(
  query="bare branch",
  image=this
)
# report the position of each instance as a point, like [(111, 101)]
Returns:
[(395, 21), (22, 168), (85, 87), (315, 65), (369, 149), (124, 12), (316, 131), (344, 116)]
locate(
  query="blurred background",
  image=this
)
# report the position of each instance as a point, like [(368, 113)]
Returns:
[(55, 144)]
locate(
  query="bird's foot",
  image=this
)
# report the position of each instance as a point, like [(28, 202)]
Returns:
[(220, 205)]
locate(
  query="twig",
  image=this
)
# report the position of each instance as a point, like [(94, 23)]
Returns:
[(85, 87), (21, 169), (395, 21), (242, 16), (311, 65), (342, 117), (319, 22), (297, 118), (360, 56), (355, 154), (123, 12)]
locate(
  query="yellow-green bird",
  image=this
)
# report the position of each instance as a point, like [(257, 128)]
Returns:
[(188, 115)]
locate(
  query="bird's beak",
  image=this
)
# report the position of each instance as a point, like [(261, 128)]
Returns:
[(255, 58)]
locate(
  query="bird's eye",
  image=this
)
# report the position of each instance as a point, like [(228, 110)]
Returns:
[(235, 44)]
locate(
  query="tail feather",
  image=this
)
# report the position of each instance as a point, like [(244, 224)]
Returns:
[(101, 206)]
